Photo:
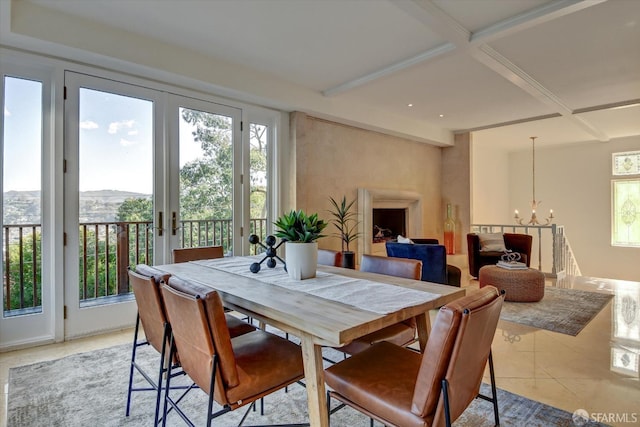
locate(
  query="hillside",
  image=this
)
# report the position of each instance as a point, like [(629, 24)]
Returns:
[(23, 207)]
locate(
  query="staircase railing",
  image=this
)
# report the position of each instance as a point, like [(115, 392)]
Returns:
[(551, 251)]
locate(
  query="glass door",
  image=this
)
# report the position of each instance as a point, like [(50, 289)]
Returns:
[(205, 178), (113, 198), (27, 291)]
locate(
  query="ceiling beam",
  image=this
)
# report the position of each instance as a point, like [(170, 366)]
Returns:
[(507, 69), (459, 37), (530, 18), (405, 63), (462, 40)]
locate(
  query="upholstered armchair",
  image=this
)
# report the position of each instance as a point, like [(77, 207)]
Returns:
[(520, 243), (433, 257)]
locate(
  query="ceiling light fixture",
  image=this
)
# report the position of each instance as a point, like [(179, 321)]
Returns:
[(534, 203), (441, 115), (409, 105)]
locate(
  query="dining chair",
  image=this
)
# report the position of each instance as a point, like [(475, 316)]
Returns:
[(399, 387), (195, 254), (232, 371), (403, 333), (329, 257), (145, 282)]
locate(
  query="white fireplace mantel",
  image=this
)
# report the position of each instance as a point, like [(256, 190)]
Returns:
[(369, 198)]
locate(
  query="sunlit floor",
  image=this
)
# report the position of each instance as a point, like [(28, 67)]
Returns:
[(597, 371)]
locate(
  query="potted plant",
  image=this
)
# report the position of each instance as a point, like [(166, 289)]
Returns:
[(346, 222), (300, 232)]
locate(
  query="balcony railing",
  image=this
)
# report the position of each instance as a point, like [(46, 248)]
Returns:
[(106, 250), (551, 251)]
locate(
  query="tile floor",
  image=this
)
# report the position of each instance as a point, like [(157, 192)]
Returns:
[(597, 371)]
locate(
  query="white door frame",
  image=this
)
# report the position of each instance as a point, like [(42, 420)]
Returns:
[(25, 330), (121, 314)]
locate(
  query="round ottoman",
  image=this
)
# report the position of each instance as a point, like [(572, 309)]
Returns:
[(519, 285)]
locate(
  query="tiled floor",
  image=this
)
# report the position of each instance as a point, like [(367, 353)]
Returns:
[(596, 371)]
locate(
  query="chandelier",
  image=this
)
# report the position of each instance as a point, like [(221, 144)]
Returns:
[(534, 203)]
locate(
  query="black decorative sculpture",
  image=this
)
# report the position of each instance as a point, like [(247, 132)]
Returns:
[(270, 252)]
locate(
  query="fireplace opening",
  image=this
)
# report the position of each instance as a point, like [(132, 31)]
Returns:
[(388, 223)]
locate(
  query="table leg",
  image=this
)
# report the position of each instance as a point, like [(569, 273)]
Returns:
[(423, 323), (314, 376)]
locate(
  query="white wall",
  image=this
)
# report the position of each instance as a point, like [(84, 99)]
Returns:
[(575, 181)]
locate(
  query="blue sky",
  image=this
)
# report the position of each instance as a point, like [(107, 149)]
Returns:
[(115, 145)]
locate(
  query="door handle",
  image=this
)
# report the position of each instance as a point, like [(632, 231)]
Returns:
[(174, 223), (160, 223)]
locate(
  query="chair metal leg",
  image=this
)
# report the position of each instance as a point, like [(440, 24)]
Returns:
[(445, 395), (133, 359), (329, 409), (162, 370), (494, 394)]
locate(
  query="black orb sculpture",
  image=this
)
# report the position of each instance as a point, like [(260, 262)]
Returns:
[(270, 252)]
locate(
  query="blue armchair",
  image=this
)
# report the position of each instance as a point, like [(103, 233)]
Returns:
[(433, 257)]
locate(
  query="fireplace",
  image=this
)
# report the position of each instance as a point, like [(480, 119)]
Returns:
[(407, 202), (388, 223)]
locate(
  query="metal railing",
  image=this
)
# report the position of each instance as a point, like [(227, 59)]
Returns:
[(553, 256), (106, 249)]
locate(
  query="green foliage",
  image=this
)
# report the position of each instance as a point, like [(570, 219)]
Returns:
[(345, 221), (206, 183), (30, 278), (296, 226), (135, 210)]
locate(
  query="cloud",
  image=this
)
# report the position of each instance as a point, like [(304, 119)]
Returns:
[(88, 125), (127, 143), (132, 132), (7, 113), (114, 127)]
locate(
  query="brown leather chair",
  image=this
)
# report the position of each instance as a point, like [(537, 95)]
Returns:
[(145, 282), (329, 257), (194, 254), (403, 333), (520, 243), (399, 267), (234, 372), (400, 387)]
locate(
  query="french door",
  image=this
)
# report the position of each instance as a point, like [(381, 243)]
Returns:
[(205, 191), (148, 171), (28, 294), (113, 197)]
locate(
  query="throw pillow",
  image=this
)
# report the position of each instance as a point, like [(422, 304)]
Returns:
[(402, 239), (492, 242)]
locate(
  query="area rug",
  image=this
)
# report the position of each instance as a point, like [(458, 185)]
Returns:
[(89, 389), (566, 311)]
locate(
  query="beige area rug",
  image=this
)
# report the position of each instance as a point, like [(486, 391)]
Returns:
[(90, 389), (566, 311)]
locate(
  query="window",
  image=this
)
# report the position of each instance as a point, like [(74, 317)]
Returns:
[(626, 200)]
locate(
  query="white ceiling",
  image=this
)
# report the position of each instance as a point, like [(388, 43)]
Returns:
[(478, 63)]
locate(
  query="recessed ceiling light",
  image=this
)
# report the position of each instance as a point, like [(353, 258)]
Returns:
[(441, 115), (409, 105)]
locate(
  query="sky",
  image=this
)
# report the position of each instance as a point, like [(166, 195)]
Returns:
[(115, 140)]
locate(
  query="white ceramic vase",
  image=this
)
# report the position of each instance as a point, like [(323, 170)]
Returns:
[(302, 260)]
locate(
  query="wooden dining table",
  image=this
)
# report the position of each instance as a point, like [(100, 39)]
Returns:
[(315, 320)]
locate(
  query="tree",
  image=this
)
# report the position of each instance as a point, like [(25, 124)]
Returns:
[(206, 183), (135, 210)]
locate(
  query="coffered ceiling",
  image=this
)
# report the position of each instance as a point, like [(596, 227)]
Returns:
[(567, 71)]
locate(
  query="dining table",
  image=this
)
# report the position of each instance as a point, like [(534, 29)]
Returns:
[(336, 307)]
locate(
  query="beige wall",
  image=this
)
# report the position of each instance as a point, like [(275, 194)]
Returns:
[(456, 187), (333, 160)]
